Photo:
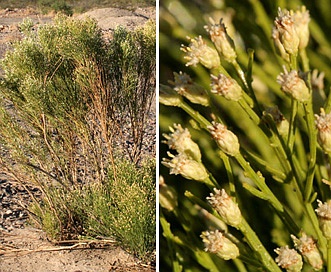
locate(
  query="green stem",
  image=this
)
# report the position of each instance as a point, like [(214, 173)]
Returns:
[(247, 85), (312, 146), (210, 183), (291, 132), (293, 61), (239, 265), (327, 104), (255, 243), (204, 123), (304, 59), (269, 195), (229, 172), (314, 220)]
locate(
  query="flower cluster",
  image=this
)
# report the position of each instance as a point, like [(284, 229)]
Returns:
[(199, 52), (222, 41), (226, 140), (186, 166), (323, 124), (290, 32), (324, 215), (292, 84), (306, 245), (216, 242), (289, 259), (226, 207), (180, 140), (226, 86), (186, 87)]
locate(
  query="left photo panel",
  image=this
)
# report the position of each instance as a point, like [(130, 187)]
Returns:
[(78, 135)]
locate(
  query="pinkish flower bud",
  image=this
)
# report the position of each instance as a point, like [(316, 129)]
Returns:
[(301, 20), (226, 140), (168, 96), (216, 242), (293, 85), (289, 259), (226, 207), (199, 51), (324, 216), (180, 140), (186, 166), (222, 41), (323, 124), (185, 86), (284, 33), (167, 196), (226, 86), (308, 248)]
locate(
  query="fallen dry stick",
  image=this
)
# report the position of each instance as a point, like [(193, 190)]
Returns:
[(8, 251)]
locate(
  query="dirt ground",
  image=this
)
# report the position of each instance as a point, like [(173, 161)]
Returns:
[(25, 249)]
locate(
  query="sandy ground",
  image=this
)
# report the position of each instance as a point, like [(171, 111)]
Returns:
[(28, 250), (25, 249)]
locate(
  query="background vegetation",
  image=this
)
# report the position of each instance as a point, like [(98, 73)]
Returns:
[(79, 6)]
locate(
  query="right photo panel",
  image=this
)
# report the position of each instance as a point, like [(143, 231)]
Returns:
[(245, 135)]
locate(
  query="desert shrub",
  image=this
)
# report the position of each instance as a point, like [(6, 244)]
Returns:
[(132, 74), (125, 208), (122, 209), (245, 162), (61, 114)]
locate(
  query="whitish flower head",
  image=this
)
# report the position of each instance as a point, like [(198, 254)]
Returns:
[(199, 51), (168, 96), (185, 166), (226, 140), (184, 85), (293, 85), (308, 248), (226, 207), (180, 140), (226, 86), (323, 124), (281, 123), (222, 41), (167, 196), (284, 33), (301, 20), (216, 242), (289, 259), (324, 217)]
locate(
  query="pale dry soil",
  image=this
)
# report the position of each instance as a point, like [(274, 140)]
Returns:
[(26, 249)]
